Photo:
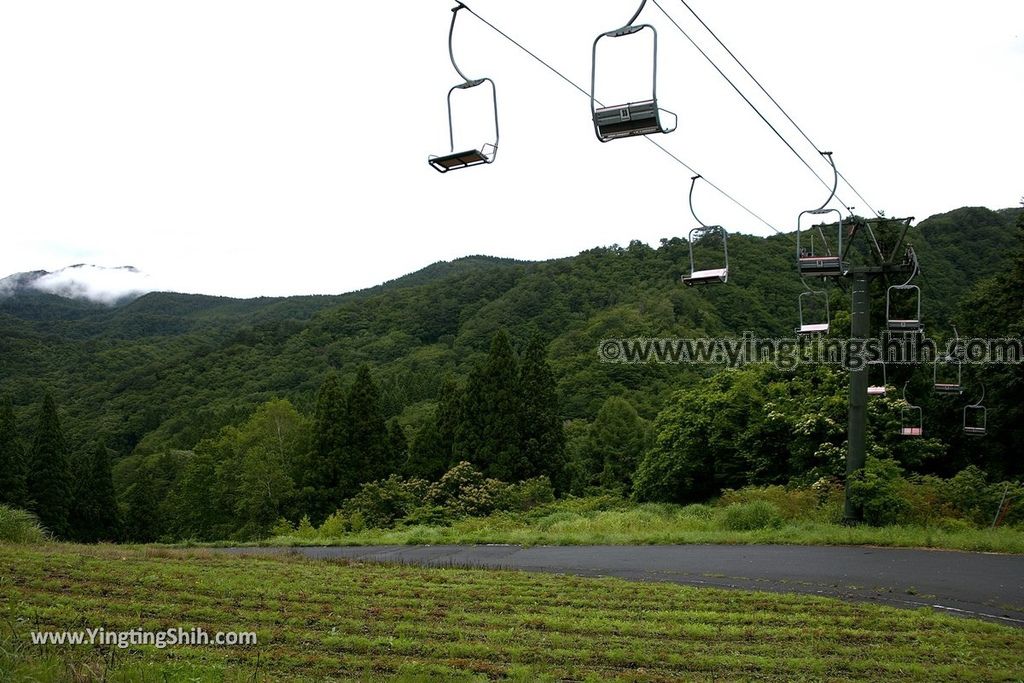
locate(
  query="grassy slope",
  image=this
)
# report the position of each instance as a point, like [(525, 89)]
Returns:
[(329, 620)]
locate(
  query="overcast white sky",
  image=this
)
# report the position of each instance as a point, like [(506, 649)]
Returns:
[(245, 147)]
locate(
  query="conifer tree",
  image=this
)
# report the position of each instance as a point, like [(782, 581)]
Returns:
[(366, 446), (322, 477), (431, 453), (13, 484), (398, 447), (488, 435), (49, 476), (94, 515), (542, 433)]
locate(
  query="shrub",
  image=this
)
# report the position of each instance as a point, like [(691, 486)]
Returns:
[(428, 515), (791, 503), (881, 491), (334, 526), (382, 503), (19, 526), (758, 514), (282, 527), (527, 495), (305, 528), (464, 492), (697, 511)]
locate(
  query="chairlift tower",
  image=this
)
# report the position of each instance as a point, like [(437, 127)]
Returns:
[(894, 262)]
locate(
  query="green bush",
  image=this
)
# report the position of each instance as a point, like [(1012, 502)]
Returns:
[(697, 511), (527, 495), (334, 526), (383, 503), (282, 528), (791, 503), (19, 526), (758, 514), (881, 491), (464, 492)]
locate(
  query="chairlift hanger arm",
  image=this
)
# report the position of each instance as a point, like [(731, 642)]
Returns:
[(835, 179), (451, 50), (693, 183), (636, 14)]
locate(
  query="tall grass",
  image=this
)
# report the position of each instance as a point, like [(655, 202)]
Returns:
[(575, 522), (19, 526)]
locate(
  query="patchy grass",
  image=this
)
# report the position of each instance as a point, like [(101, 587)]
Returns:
[(329, 620), (608, 522)]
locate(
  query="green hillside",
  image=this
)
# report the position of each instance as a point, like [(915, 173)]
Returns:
[(168, 369)]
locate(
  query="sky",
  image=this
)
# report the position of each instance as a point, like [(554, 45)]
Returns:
[(253, 148)]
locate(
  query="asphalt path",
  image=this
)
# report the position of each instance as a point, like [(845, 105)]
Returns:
[(983, 585)]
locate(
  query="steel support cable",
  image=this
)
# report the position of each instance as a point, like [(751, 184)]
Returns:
[(746, 99), (587, 94), (773, 100)]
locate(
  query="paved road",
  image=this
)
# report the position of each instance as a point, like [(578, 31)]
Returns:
[(982, 585)]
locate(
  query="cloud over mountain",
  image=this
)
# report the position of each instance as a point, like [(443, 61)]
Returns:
[(83, 281)]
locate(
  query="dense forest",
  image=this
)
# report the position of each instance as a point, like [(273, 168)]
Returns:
[(207, 417)]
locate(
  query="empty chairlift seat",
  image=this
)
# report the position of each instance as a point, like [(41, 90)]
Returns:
[(712, 241), (911, 418), (642, 117), (472, 157), (976, 417), (468, 158), (708, 276), (876, 389), (814, 319), (811, 264)]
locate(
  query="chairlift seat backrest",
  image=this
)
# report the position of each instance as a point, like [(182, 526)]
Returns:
[(626, 120), (821, 266), (642, 117), (878, 390)]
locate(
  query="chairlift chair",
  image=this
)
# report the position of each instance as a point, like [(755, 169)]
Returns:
[(903, 320), (821, 265), (911, 418), (488, 151), (706, 276), (633, 118), (809, 325), (976, 417), (877, 389), (948, 384)]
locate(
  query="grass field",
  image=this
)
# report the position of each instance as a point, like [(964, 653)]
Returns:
[(594, 522), (318, 620)]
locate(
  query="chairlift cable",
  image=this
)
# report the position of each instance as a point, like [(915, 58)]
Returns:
[(747, 100), (773, 100), (587, 94)]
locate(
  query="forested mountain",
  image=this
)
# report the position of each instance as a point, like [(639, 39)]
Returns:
[(167, 370)]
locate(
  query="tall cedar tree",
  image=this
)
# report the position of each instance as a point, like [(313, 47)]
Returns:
[(321, 488), (49, 477), (94, 515), (366, 447), (431, 453), (141, 524), (542, 433), (398, 446), (13, 484), (489, 433)]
